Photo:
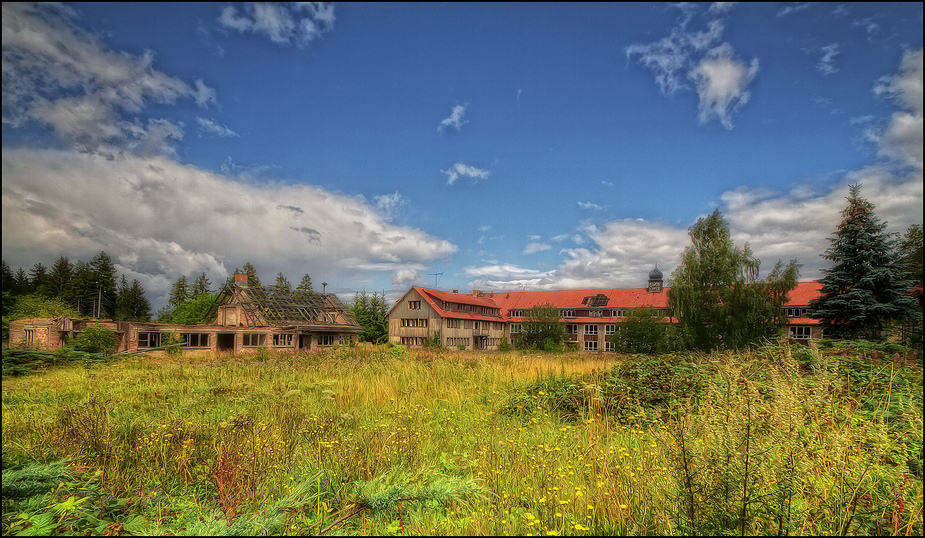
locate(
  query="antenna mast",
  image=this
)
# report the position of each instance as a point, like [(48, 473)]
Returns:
[(435, 275)]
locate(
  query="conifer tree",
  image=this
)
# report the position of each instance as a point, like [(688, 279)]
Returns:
[(103, 283), (866, 288), (282, 282), (180, 292), (201, 285), (306, 283), (59, 278)]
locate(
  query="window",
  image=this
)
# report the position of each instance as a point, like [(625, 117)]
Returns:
[(30, 337), (146, 340), (590, 329), (609, 329), (515, 328), (282, 340), (800, 332), (795, 312), (412, 341), (568, 313), (414, 305), (327, 339), (467, 324), (448, 306), (414, 322), (618, 314), (517, 313), (452, 324), (571, 329), (195, 339), (610, 346), (254, 340), (590, 345)]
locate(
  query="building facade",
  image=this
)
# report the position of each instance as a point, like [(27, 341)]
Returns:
[(246, 318), (591, 317)]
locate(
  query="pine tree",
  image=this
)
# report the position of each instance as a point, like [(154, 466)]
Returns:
[(201, 285), (866, 288), (716, 294), (282, 283), (306, 283), (180, 292), (80, 293), (59, 278), (38, 279), (103, 274), (137, 307), (21, 283)]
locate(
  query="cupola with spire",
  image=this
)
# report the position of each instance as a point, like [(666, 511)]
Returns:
[(655, 280)]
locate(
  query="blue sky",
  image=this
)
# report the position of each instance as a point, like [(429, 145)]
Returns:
[(506, 146)]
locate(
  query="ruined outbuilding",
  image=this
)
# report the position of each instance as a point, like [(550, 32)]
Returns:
[(245, 318)]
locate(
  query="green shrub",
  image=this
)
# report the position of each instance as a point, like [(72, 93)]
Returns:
[(96, 339)]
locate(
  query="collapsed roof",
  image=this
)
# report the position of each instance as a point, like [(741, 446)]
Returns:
[(277, 307)]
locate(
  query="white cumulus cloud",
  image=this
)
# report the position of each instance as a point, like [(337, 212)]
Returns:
[(455, 120), (298, 22)]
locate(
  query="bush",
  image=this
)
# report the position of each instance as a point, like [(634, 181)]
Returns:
[(96, 339)]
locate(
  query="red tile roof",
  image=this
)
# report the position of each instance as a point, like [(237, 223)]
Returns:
[(803, 293), (617, 298)]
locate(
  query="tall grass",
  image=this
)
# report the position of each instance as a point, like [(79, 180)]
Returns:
[(393, 441)]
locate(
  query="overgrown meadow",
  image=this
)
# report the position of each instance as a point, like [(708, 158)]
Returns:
[(390, 441)]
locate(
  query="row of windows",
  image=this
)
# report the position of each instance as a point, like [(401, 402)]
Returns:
[(412, 341), (795, 312), (621, 313), (154, 339), (484, 310), (455, 342), (414, 322)]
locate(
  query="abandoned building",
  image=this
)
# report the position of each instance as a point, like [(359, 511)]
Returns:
[(245, 318), (482, 320)]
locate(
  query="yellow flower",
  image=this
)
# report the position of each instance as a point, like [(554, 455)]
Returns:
[(528, 515), (623, 506)]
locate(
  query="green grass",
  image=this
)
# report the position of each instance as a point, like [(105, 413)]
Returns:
[(392, 441)]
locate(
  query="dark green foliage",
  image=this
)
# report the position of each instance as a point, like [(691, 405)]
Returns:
[(542, 329), (179, 292), (131, 303), (59, 278), (867, 286), (371, 312), (103, 283), (717, 296), (306, 283), (21, 481), (201, 285), (644, 331), (18, 362), (282, 282), (96, 339)]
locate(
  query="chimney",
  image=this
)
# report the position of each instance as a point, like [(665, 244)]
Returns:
[(455, 291), (240, 280)]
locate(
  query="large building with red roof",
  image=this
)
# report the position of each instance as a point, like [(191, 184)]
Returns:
[(481, 320)]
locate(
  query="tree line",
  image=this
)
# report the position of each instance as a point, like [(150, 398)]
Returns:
[(873, 288)]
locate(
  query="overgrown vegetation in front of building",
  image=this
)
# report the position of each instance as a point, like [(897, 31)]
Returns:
[(389, 441)]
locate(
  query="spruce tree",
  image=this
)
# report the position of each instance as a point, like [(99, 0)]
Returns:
[(179, 292), (306, 283), (59, 278), (866, 288), (282, 283), (201, 285), (103, 274)]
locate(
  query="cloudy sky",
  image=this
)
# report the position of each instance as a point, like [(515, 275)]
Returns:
[(505, 146)]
